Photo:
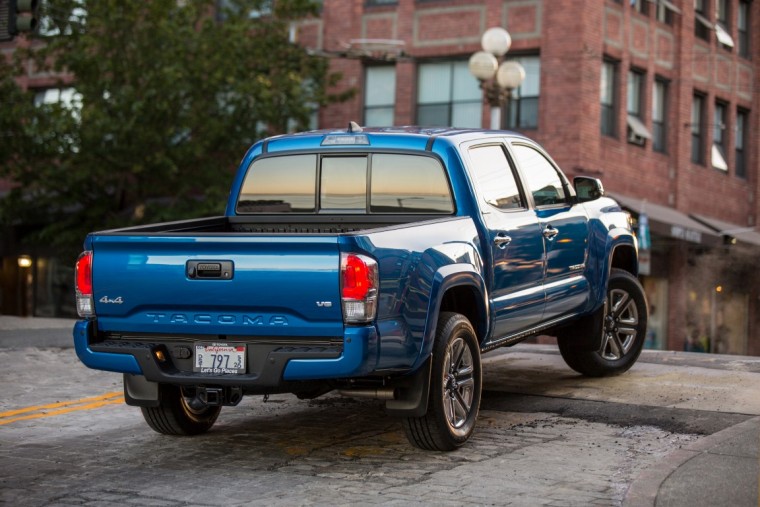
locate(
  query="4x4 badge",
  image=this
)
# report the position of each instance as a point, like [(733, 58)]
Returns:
[(109, 301)]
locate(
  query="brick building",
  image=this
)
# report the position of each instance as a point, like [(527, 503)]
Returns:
[(655, 97)]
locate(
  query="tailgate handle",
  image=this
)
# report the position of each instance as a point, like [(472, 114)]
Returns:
[(210, 270)]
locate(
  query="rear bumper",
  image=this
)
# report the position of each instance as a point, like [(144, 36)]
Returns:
[(269, 366), (123, 363)]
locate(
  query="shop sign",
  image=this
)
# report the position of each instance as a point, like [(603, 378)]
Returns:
[(685, 234), (645, 242)]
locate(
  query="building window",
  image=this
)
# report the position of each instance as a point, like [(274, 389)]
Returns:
[(448, 95), (67, 98), (697, 129), (608, 98), (372, 3), (659, 115), (640, 6), (665, 10), (379, 96), (225, 8), (637, 131), (722, 27), (54, 20), (718, 152), (742, 26), (523, 106), (702, 25), (740, 138)]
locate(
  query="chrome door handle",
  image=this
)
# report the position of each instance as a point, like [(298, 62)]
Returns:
[(502, 240), (550, 232)]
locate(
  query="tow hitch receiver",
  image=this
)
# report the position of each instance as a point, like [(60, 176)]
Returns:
[(218, 396)]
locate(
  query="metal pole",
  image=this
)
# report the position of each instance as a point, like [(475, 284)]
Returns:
[(495, 117)]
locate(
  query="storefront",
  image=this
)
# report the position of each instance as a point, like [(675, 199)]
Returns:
[(684, 265)]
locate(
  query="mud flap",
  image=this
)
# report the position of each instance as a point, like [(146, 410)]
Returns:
[(139, 392), (412, 393), (587, 332)]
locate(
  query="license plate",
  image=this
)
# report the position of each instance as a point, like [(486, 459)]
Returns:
[(219, 358)]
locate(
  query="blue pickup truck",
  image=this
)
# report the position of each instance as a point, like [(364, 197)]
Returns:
[(377, 263)]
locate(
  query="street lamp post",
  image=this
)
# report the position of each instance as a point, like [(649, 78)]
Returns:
[(497, 79)]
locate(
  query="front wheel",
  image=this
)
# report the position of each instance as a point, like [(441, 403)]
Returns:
[(455, 387), (609, 341), (180, 414)]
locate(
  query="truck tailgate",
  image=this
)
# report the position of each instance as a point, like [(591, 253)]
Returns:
[(273, 286)]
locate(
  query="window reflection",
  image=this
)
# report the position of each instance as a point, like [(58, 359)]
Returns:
[(344, 183), (494, 177), (543, 180), (409, 184), (400, 183), (280, 185)]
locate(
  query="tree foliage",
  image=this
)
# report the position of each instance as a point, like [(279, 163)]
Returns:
[(172, 93)]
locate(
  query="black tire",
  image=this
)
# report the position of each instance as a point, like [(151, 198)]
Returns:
[(455, 387), (178, 414), (609, 341)]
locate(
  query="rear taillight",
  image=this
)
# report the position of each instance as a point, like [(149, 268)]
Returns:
[(85, 303), (358, 288)]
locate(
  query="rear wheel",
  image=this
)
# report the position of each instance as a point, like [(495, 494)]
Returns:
[(178, 413), (455, 388), (609, 341)]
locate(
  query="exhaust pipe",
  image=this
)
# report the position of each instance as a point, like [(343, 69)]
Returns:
[(385, 393)]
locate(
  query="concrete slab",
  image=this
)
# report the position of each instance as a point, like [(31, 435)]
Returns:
[(540, 370)]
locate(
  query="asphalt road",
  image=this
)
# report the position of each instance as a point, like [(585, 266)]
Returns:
[(545, 436)]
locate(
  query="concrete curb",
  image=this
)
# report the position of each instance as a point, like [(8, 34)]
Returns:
[(20, 332), (645, 488)]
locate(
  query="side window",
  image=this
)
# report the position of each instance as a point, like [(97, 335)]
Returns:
[(542, 179), (494, 177)]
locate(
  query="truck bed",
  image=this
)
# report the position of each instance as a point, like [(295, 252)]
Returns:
[(274, 224)]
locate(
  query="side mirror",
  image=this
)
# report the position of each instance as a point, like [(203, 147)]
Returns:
[(588, 189)]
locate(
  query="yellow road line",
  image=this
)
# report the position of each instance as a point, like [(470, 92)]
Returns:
[(62, 407)]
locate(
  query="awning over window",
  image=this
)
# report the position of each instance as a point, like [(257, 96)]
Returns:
[(669, 5), (638, 128), (743, 234), (717, 158), (704, 21), (723, 36), (668, 222)]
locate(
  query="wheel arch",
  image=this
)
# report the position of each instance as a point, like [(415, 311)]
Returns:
[(621, 252), (624, 256), (461, 289)]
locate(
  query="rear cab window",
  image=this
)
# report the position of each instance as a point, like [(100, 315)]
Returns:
[(366, 183)]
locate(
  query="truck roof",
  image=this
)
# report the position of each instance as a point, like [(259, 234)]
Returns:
[(406, 137)]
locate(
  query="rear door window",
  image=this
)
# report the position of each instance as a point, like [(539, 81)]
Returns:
[(495, 178)]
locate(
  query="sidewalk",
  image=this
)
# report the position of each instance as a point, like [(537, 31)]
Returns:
[(16, 332), (720, 469)]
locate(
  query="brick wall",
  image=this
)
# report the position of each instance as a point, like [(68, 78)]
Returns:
[(573, 37)]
